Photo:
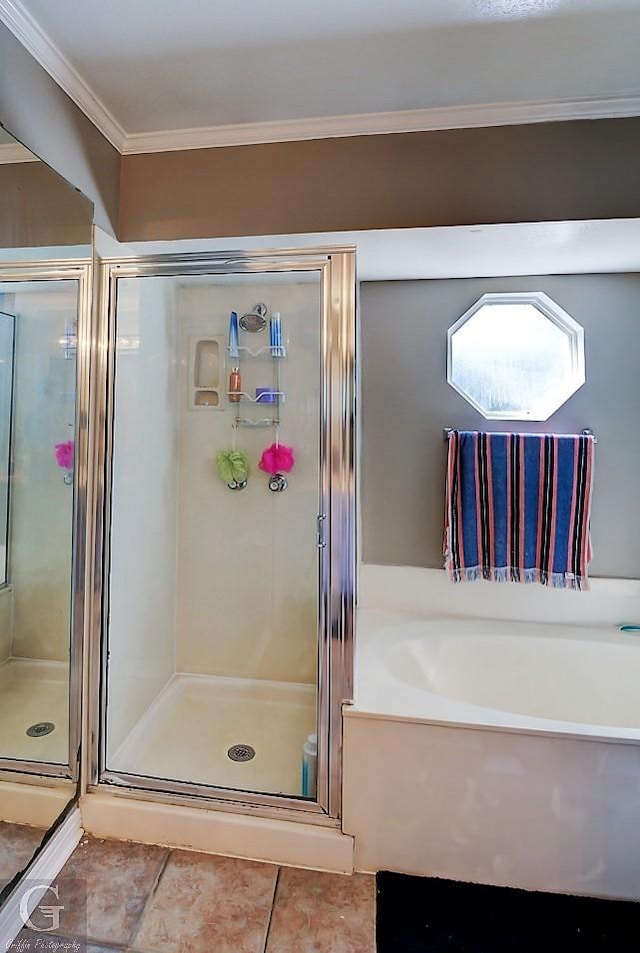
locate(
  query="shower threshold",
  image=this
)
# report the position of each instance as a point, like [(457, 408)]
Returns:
[(191, 727)]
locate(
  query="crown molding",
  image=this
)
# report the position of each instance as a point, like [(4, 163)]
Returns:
[(11, 152), (23, 26), (376, 124)]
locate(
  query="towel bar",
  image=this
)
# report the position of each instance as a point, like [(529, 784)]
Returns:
[(585, 433)]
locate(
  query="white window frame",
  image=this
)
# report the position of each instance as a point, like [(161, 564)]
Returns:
[(551, 310)]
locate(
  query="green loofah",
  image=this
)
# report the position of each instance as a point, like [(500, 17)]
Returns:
[(232, 466)]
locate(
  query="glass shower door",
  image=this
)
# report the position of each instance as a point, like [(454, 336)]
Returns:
[(215, 654), (7, 337)]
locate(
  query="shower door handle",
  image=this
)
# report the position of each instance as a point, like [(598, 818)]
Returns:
[(320, 524)]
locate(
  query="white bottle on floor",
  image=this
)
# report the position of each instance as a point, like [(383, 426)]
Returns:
[(310, 766)]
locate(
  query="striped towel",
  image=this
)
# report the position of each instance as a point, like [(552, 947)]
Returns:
[(518, 508)]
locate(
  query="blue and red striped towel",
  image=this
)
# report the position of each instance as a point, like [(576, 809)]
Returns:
[(518, 508)]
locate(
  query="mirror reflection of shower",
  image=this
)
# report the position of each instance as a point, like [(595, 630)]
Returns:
[(38, 341), (7, 338), (65, 450)]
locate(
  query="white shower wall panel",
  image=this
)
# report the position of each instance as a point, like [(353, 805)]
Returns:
[(247, 560), (6, 622), (145, 494)]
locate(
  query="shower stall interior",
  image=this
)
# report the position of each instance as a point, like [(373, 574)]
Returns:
[(228, 529)]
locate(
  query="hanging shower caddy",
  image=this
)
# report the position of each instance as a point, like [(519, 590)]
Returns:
[(272, 397)]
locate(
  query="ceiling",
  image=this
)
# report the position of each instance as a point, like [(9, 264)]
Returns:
[(158, 65)]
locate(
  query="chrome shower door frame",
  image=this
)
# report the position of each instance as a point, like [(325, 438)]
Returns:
[(337, 559), (81, 271)]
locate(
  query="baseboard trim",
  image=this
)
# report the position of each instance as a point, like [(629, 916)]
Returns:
[(290, 843), (43, 871)]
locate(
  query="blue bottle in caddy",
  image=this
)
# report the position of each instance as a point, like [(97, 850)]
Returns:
[(275, 335)]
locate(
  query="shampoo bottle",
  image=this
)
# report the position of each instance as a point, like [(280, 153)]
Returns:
[(310, 767), (235, 386)]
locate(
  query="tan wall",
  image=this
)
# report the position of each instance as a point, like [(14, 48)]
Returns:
[(35, 110), (543, 172), (39, 208)]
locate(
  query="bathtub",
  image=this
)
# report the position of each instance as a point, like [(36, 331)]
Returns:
[(539, 678), (496, 750)]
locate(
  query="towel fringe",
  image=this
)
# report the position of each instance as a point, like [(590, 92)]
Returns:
[(555, 580)]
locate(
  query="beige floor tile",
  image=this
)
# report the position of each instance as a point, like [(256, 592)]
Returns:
[(207, 904), (323, 913), (117, 879), (18, 844)]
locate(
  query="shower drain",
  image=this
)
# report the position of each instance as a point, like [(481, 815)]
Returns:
[(40, 729), (241, 752)]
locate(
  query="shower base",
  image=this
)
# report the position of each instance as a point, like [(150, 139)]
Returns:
[(34, 691), (188, 730)]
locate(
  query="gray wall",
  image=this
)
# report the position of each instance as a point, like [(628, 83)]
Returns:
[(35, 110), (407, 402)]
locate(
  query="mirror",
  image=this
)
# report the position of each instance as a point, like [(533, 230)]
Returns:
[(45, 257)]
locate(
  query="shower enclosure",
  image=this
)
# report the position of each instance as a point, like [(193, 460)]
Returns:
[(224, 633)]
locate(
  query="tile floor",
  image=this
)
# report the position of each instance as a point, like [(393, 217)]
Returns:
[(186, 733), (154, 900), (18, 844)]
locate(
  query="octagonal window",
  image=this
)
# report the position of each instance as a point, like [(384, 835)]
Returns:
[(516, 356)]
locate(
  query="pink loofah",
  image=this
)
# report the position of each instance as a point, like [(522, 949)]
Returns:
[(277, 459), (64, 454)]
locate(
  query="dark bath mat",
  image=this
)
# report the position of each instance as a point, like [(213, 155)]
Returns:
[(427, 915)]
